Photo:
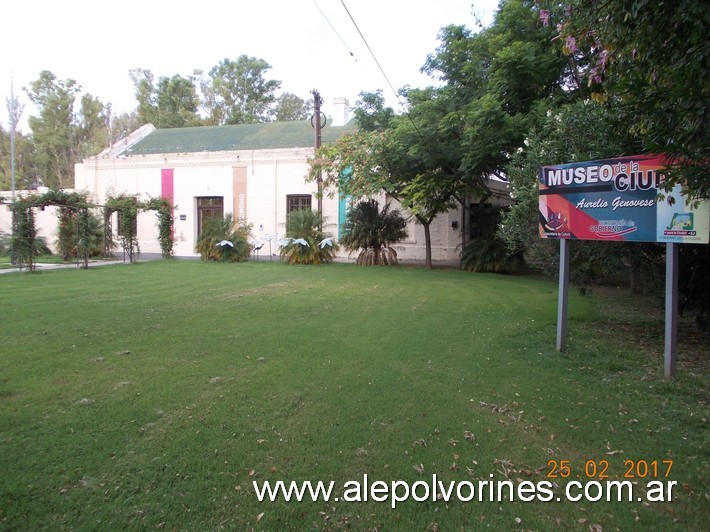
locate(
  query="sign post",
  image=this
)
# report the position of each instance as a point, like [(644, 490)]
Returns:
[(562, 292), (620, 199), (671, 330)]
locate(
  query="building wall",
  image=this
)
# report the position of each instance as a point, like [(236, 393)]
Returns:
[(268, 176), (271, 175)]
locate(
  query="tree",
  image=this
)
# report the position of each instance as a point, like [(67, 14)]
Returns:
[(452, 138), (26, 172), (145, 95), (92, 131), (571, 133), (238, 93), (172, 102), (122, 125), (408, 158), (652, 59), (372, 231), (290, 107), (53, 131)]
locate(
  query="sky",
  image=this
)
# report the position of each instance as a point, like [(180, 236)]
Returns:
[(310, 44)]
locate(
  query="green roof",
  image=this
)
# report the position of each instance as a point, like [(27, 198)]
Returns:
[(270, 135)]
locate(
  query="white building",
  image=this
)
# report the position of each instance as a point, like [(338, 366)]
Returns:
[(257, 172)]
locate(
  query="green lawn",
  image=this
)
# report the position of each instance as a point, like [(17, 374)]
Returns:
[(153, 395)]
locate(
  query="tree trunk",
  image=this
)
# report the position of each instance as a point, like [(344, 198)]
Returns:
[(427, 244)]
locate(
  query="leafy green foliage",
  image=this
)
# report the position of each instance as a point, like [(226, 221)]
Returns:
[(214, 231), (237, 92), (290, 107), (24, 240), (80, 233), (24, 234), (127, 207), (653, 60), (490, 255), (568, 134), (371, 231), (166, 215), (169, 103), (53, 131), (306, 224)]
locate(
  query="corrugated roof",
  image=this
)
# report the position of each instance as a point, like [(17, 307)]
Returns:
[(270, 135)]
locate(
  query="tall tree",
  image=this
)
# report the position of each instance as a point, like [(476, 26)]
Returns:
[(120, 126), (398, 159), (290, 107), (452, 138), (172, 102), (570, 133), (53, 131), (238, 93), (177, 102), (145, 92), (8, 143), (653, 58), (92, 131)]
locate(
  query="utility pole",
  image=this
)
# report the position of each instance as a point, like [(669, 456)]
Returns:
[(317, 102), (12, 108), (14, 116)]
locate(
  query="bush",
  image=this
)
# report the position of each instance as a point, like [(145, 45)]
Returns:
[(371, 230), (69, 244), (214, 231), (305, 225), (490, 255)]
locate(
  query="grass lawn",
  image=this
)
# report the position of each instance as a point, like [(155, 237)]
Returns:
[(153, 395)]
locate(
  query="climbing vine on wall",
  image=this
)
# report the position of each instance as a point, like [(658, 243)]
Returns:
[(23, 235), (25, 232), (127, 207), (74, 208), (165, 224)]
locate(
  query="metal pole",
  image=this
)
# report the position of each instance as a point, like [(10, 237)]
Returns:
[(671, 328), (562, 294), (13, 126), (317, 102)]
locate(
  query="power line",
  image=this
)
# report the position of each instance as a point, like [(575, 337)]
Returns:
[(335, 31), (373, 55)]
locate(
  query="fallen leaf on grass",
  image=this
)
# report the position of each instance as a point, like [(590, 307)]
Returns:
[(258, 517)]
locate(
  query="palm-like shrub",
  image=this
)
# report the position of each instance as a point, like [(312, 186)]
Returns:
[(371, 230), (89, 244), (214, 230), (305, 224), (491, 255)]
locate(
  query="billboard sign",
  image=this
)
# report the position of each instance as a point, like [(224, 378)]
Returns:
[(618, 200)]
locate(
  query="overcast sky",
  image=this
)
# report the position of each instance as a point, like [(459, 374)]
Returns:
[(97, 43)]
